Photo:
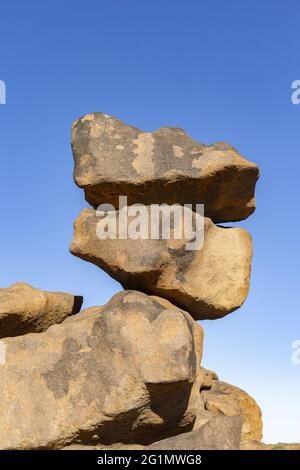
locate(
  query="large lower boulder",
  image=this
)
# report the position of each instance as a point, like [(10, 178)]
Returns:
[(220, 398), (219, 433), (209, 282), (129, 373), (165, 166), (24, 309)]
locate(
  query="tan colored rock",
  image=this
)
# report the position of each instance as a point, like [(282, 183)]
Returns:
[(165, 166), (127, 375), (208, 378), (209, 282), (90, 312), (255, 445), (225, 399), (24, 309), (219, 433)]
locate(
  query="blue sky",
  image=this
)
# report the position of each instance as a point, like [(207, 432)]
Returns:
[(221, 70)]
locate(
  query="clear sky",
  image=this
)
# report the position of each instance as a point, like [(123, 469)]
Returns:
[(222, 71)]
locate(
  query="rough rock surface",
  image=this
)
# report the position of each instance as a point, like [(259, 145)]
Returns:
[(209, 282), (219, 433), (165, 166), (225, 399), (24, 309), (129, 374)]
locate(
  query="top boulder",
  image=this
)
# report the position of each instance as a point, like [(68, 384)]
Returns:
[(165, 166)]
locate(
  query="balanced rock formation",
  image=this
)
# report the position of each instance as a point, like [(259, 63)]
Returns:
[(24, 309), (127, 374), (220, 398), (165, 166), (209, 282)]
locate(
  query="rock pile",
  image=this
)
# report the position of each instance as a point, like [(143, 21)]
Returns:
[(225, 399), (128, 374)]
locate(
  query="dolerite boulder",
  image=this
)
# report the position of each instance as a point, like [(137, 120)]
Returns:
[(127, 374), (220, 398), (165, 166), (209, 282), (24, 309), (219, 433)]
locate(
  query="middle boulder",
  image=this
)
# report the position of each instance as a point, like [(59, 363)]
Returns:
[(208, 282)]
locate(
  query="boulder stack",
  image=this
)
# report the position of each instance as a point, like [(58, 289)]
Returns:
[(128, 375), (220, 398)]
